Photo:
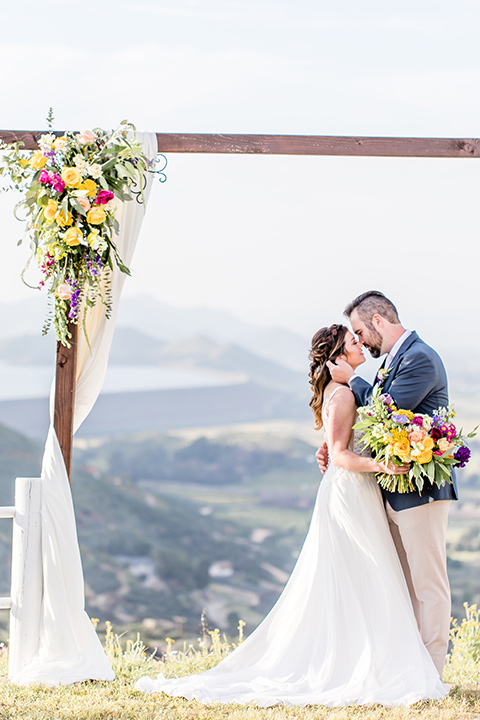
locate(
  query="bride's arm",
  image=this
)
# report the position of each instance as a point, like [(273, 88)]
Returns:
[(341, 418)]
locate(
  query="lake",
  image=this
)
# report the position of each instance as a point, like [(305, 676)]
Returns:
[(32, 381)]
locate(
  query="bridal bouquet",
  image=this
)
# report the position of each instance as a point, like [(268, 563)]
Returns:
[(432, 444), (71, 185)]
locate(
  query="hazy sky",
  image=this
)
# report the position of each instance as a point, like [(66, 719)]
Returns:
[(284, 240)]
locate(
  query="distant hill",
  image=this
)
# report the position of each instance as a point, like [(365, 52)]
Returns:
[(163, 410), (168, 324)]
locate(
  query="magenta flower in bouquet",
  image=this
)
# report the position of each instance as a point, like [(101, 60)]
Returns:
[(432, 444)]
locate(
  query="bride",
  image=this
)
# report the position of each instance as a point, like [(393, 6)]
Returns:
[(343, 631)]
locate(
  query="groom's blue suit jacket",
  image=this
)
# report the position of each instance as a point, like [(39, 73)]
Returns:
[(417, 381)]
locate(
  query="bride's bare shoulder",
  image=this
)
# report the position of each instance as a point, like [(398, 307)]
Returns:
[(337, 391), (338, 396)]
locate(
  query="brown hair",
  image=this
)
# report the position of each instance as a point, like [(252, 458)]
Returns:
[(327, 344), (372, 303)]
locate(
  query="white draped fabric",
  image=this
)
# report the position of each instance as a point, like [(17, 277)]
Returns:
[(68, 649)]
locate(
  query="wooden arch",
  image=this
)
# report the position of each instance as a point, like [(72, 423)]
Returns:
[(238, 144)]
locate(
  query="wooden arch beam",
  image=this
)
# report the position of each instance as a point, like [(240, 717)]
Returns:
[(292, 144)]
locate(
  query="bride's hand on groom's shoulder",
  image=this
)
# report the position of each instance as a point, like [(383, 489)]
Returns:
[(322, 458), (340, 371)]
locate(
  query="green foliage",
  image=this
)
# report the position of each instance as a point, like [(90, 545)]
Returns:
[(463, 662)]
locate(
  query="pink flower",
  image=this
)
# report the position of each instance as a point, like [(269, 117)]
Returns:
[(44, 177), (64, 292), (417, 435), (103, 197), (85, 203), (57, 182), (85, 137)]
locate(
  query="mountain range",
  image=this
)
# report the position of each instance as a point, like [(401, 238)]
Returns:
[(161, 322)]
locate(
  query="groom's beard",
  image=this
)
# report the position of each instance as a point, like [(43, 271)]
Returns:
[(374, 344)]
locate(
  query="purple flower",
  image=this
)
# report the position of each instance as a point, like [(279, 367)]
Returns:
[(74, 300), (386, 399), (417, 420), (400, 419), (462, 456)]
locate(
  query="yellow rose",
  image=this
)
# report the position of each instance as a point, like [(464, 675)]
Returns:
[(402, 449), (71, 177), (428, 443), (93, 236), (73, 236), (90, 186), (38, 160), (96, 216), (424, 457), (23, 162), (64, 221), (50, 210)]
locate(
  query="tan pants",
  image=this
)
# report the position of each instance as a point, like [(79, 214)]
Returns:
[(419, 534)]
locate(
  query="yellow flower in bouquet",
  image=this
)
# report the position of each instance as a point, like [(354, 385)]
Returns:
[(38, 160), (73, 236), (50, 210), (71, 177), (403, 450), (425, 450), (90, 186), (62, 220), (96, 216)]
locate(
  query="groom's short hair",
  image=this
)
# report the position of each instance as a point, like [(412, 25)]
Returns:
[(372, 303)]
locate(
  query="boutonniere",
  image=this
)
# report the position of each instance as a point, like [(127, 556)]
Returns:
[(382, 375)]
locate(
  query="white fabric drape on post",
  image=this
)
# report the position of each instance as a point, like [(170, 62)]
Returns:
[(68, 649)]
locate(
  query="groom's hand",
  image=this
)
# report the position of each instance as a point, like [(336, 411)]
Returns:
[(340, 371), (322, 458)]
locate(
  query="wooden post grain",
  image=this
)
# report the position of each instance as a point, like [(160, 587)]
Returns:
[(292, 144), (65, 376)]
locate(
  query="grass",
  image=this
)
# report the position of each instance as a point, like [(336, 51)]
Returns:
[(118, 700)]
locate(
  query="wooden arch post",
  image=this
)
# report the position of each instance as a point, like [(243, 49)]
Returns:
[(237, 144)]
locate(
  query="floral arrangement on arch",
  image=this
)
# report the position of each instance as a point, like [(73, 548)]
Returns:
[(432, 444), (72, 184)]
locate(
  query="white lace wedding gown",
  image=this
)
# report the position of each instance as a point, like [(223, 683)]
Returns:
[(342, 632)]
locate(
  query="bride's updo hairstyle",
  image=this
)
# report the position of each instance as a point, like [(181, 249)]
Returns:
[(327, 344)]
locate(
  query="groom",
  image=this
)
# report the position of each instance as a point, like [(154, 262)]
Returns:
[(414, 375)]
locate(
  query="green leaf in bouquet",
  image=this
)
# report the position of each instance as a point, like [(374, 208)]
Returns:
[(473, 432), (419, 482), (65, 207), (430, 470), (416, 470), (121, 172), (75, 204), (109, 164)]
